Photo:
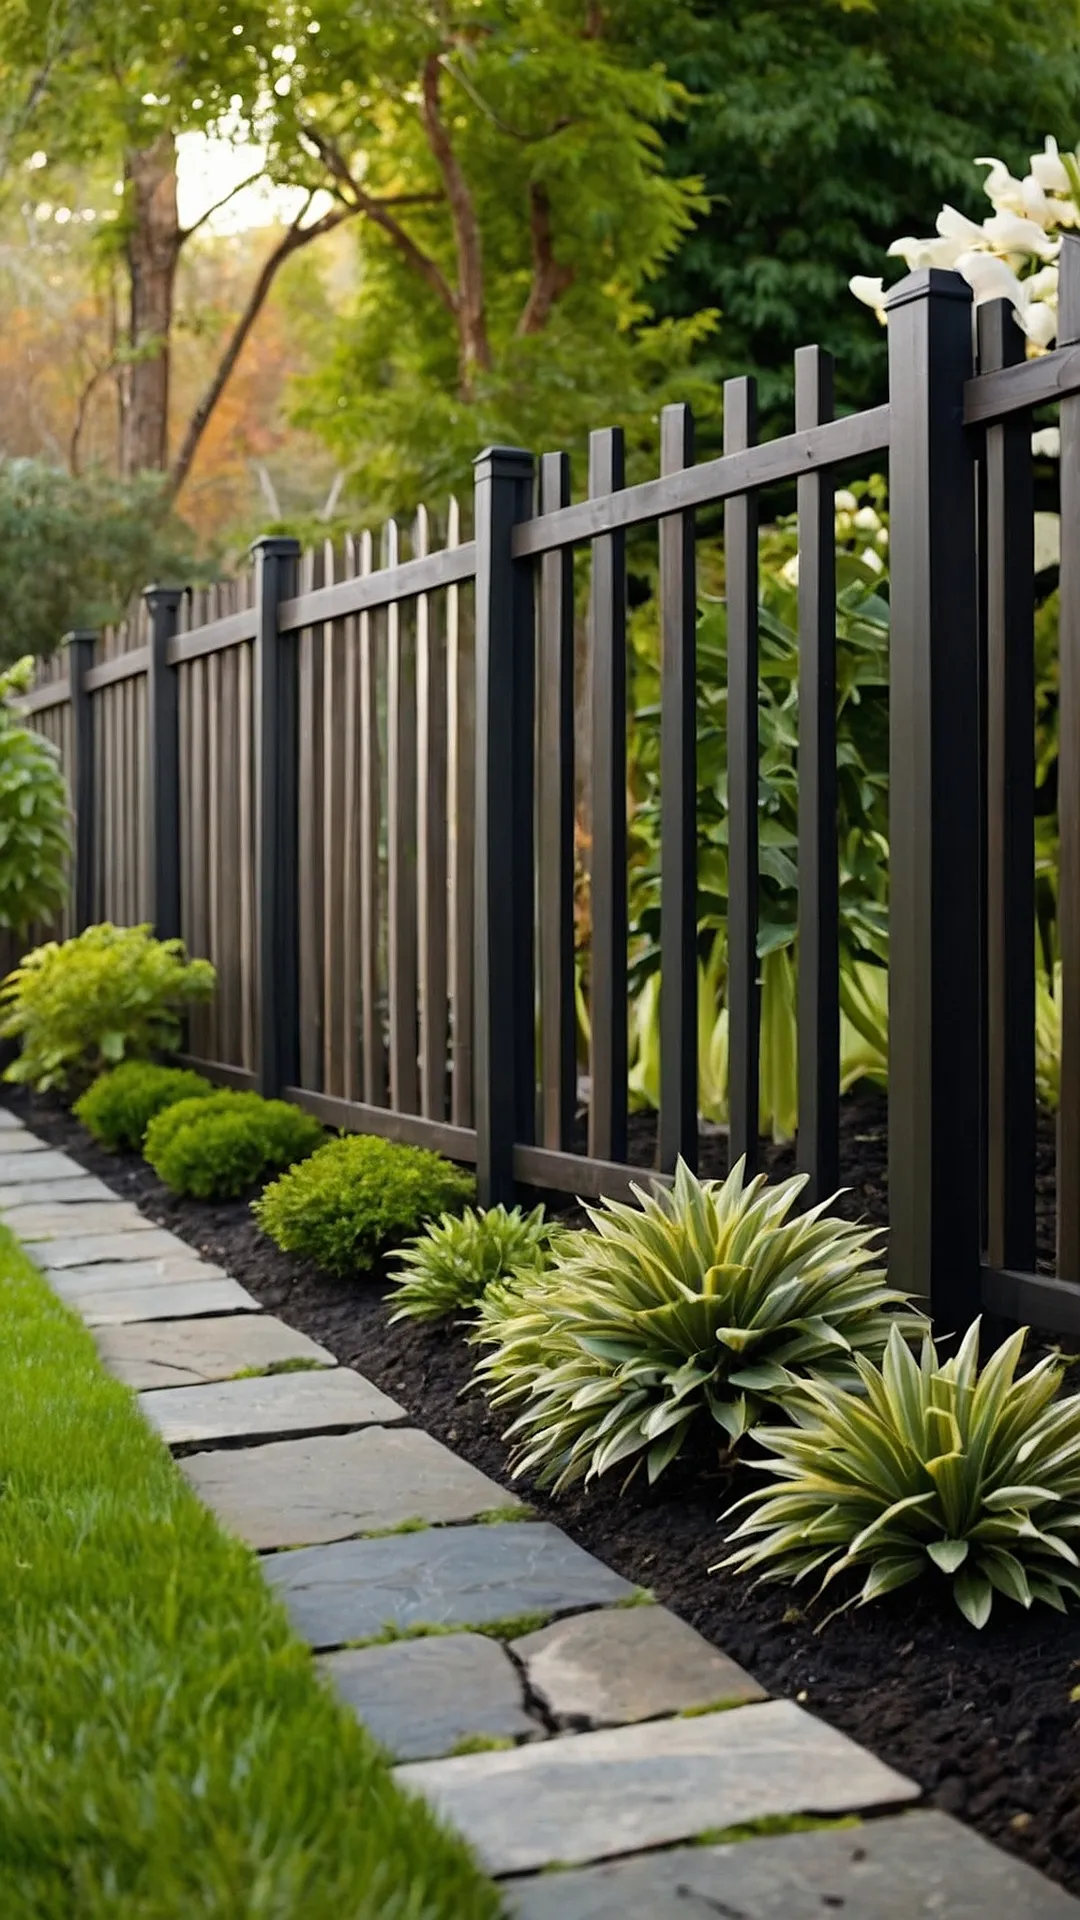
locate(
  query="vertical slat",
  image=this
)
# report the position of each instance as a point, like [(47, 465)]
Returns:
[(275, 685), (199, 937), (229, 865), (1009, 702), (1068, 1153), (607, 862), (80, 653), (332, 840), (371, 1022), (215, 853), (461, 855), (819, 876), (935, 903), (431, 875), (505, 668), (309, 645), (401, 845), (744, 995), (555, 822), (350, 833), (678, 810)]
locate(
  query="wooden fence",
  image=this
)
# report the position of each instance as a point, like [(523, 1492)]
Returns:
[(350, 780)]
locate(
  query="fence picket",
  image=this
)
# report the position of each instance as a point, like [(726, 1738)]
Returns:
[(744, 996), (607, 862)]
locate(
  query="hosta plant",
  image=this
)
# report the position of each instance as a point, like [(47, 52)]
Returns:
[(451, 1266), (932, 1468), (692, 1310)]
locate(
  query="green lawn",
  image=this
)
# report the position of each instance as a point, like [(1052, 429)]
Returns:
[(166, 1749)]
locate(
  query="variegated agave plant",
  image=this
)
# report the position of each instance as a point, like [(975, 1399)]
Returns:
[(932, 1468), (697, 1306)]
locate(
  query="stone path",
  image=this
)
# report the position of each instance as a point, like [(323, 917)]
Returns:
[(593, 1748)]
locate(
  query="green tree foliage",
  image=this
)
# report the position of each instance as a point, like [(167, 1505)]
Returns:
[(509, 172), (35, 828), (74, 550), (824, 128)]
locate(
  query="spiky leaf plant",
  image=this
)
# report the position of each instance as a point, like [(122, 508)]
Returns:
[(933, 1467), (449, 1267), (695, 1308)]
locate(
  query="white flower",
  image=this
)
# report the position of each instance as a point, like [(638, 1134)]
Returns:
[(845, 502), (1014, 235), (872, 560), (1039, 321), (1048, 170), (867, 519), (870, 291), (1047, 442), (954, 225), (1043, 285), (991, 279), (790, 571), (1000, 186), (914, 253), (1036, 204)]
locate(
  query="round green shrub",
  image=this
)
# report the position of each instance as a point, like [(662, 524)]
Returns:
[(356, 1197), (450, 1267), (120, 1105), (217, 1148)]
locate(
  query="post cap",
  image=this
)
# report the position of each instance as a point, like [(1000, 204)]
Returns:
[(157, 595), (275, 546), (79, 635), (509, 463), (939, 283)]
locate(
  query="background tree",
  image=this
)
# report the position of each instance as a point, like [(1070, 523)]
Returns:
[(823, 128)]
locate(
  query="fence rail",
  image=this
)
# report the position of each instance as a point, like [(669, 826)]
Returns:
[(355, 785)]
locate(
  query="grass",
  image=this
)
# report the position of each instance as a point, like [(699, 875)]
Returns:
[(301, 1364), (513, 1627), (166, 1747)]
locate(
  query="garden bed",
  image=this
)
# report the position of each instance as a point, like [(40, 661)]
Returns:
[(983, 1721)]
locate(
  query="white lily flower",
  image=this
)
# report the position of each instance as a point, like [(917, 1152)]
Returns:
[(1048, 169), (1012, 234), (1047, 443), (867, 519), (991, 279), (914, 253), (844, 500), (954, 225), (1037, 205), (1039, 321), (1043, 285), (870, 291), (1001, 186)]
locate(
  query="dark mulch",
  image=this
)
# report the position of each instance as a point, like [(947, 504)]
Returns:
[(983, 1721)]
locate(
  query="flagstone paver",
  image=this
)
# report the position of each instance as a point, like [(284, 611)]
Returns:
[(10, 1122), (30, 1192), (915, 1866), (597, 1794), (82, 1250), (168, 1300), (182, 1353), (422, 1698), (445, 1577), (625, 1664), (60, 1219), (296, 1493), (110, 1276), (267, 1406), (18, 1149)]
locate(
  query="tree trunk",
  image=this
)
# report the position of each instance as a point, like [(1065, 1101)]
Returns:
[(153, 249)]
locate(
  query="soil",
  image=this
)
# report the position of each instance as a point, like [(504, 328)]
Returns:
[(984, 1722)]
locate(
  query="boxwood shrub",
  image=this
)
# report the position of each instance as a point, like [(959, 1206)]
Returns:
[(119, 1106), (218, 1148), (357, 1196)]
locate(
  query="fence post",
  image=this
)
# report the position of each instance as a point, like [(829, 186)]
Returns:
[(80, 652), (934, 827), (277, 1060), (505, 642), (163, 763)]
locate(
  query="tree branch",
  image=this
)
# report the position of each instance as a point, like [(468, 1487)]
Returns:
[(474, 347), (89, 389), (378, 212), (550, 280), (186, 232), (294, 237)]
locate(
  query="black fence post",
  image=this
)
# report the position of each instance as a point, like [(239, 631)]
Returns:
[(277, 1064), (80, 652), (505, 644), (934, 827), (163, 763)]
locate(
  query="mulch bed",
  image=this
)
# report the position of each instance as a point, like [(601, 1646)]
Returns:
[(983, 1721)]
